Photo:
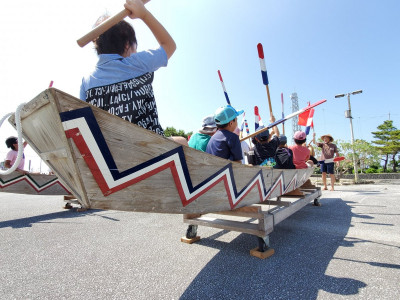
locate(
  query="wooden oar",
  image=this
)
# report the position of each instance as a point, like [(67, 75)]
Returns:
[(264, 74), (103, 27), (284, 119), (257, 122), (283, 115), (223, 87)]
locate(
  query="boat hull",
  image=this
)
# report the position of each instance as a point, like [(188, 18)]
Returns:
[(110, 163), (34, 184)]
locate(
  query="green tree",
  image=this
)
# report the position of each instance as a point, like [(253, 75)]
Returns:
[(388, 140), (171, 131), (365, 154)]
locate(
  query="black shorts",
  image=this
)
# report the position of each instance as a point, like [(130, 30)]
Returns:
[(328, 167)]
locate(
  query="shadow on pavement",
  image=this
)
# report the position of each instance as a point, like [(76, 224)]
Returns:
[(48, 218), (304, 244)]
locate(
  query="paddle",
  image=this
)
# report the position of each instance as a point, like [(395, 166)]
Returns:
[(223, 87), (283, 115), (284, 119), (264, 74), (104, 26), (258, 122)]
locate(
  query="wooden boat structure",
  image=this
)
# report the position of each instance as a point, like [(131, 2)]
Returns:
[(109, 163), (33, 184)]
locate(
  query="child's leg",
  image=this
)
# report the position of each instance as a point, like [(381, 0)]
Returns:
[(332, 181), (330, 169), (324, 180), (323, 171)]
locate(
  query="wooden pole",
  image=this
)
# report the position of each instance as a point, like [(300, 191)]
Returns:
[(264, 74), (103, 27), (284, 119), (269, 102), (283, 115)]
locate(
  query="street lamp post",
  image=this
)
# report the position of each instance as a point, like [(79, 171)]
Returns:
[(348, 115)]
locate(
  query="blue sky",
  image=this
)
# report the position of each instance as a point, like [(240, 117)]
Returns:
[(315, 48)]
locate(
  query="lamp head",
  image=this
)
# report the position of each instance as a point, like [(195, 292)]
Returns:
[(356, 92)]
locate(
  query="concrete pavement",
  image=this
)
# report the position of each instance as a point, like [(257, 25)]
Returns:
[(347, 248)]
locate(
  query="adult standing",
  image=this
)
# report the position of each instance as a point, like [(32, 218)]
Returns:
[(329, 150)]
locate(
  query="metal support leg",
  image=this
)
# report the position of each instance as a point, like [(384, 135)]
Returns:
[(263, 243), (191, 231)]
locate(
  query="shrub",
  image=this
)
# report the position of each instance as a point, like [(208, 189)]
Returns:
[(371, 170)]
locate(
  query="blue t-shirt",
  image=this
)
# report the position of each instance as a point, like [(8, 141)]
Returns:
[(225, 144), (123, 86), (199, 141)]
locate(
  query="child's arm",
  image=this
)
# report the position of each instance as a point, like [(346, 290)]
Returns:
[(313, 140), (160, 33), (275, 129)]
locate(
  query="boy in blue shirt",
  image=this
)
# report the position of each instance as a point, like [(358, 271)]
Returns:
[(225, 143)]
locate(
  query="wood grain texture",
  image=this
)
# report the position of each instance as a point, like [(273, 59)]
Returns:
[(132, 147)]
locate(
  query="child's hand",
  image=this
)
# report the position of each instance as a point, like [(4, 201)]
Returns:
[(272, 119), (137, 8)]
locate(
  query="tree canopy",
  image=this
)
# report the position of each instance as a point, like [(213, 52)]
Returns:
[(387, 139), (171, 131)]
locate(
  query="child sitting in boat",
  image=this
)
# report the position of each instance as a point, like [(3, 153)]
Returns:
[(266, 144), (301, 154), (225, 143), (122, 80), (200, 139), (12, 142), (245, 147), (284, 155)]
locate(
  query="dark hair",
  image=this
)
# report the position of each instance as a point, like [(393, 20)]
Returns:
[(222, 126), (115, 39), (11, 141), (299, 142)]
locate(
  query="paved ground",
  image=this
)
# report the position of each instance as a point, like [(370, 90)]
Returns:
[(347, 248)]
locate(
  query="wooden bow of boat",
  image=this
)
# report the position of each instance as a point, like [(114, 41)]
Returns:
[(110, 163)]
